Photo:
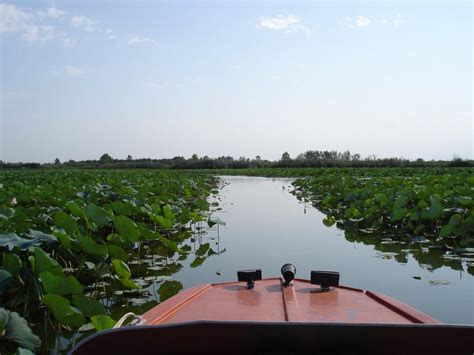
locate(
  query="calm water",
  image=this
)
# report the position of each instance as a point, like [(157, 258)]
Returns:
[(266, 226)]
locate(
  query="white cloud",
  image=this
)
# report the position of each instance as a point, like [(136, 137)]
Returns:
[(84, 23), (363, 21), (29, 24), (359, 21), (12, 19), (78, 21), (141, 40), (36, 26), (280, 22), (395, 22), (109, 34), (72, 70), (287, 24), (155, 85), (35, 33), (54, 12), (235, 67)]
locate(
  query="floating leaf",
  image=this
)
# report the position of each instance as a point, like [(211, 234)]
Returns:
[(203, 249), (43, 262), (213, 221), (65, 221), (75, 209), (163, 222), (15, 329), (88, 307), (102, 322), (60, 285), (121, 269), (38, 237), (12, 263), (11, 240), (129, 283), (91, 247), (168, 213), (5, 279), (400, 202), (398, 214), (63, 238), (382, 199), (446, 230), (127, 228), (97, 215), (169, 289), (198, 261), (35, 238), (329, 221), (455, 220), (117, 252), (435, 211), (62, 311), (201, 204)]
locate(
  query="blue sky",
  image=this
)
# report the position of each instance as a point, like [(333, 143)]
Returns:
[(161, 79)]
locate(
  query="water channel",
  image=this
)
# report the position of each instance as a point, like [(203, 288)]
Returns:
[(266, 226)]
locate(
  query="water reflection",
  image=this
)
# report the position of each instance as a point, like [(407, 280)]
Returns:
[(430, 257)]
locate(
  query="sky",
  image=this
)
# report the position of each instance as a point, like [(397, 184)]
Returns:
[(161, 79)]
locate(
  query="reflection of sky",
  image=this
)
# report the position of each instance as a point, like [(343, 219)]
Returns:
[(267, 227)]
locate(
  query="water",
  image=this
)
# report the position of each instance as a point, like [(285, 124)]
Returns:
[(266, 226)]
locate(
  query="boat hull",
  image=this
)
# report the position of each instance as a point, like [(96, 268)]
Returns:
[(271, 318), (226, 337)]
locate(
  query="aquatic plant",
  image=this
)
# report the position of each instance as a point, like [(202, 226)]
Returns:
[(69, 241)]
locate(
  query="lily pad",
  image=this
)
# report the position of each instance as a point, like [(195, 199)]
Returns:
[(102, 322)]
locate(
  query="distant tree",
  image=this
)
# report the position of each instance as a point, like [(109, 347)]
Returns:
[(258, 158), (285, 156), (346, 155), (105, 158), (57, 161), (129, 157), (459, 162), (194, 157)]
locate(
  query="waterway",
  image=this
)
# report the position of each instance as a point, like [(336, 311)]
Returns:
[(267, 226)]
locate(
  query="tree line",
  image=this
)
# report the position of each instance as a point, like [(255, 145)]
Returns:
[(310, 158)]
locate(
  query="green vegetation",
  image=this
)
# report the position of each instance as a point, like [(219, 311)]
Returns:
[(77, 245), (308, 159), (79, 248), (435, 203)]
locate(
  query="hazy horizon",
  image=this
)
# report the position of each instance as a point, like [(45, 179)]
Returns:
[(165, 79)]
